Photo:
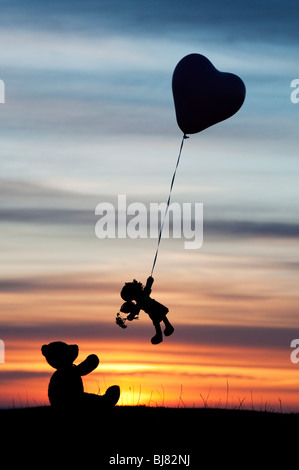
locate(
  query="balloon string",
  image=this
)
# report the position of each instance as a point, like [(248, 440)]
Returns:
[(168, 202)]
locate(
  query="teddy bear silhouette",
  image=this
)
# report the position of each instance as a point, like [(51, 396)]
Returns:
[(142, 301), (66, 386)]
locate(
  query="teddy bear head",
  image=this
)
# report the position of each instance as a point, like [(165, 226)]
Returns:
[(59, 354)]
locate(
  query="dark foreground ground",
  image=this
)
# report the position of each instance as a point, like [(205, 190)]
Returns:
[(43, 437)]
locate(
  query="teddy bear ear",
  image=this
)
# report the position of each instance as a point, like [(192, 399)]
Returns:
[(44, 349), (74, 350)]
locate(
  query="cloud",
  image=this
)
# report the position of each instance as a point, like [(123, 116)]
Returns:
[(55, 51), (250, 229), (56, 283), (8, 376), (233, 229), (253, 21), (83, 73), (260, 337), (48, 216)]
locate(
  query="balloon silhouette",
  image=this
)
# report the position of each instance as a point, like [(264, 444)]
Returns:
[(204, 96)]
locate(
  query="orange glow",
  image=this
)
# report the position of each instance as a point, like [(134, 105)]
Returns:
[(183, 371), (184, 375)]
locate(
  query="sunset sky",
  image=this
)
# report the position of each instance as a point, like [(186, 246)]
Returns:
[(88, 116)]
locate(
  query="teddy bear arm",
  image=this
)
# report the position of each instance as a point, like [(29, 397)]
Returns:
[(87, 366)]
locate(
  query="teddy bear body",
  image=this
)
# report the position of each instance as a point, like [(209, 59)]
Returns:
[(65, 386)]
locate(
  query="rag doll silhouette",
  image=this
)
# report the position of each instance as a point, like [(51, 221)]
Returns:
[(138, 298)]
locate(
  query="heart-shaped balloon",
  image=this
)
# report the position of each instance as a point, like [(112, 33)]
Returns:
[(202, 95)]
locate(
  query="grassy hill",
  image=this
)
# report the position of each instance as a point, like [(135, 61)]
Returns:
[(210, 437)]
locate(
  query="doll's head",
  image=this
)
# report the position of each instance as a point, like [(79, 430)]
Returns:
[(131, 290)]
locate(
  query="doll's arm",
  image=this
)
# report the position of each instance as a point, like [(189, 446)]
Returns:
[(147, 290), (87, 366), (134, 312)]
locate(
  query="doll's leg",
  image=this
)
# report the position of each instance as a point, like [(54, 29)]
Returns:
[(158, 338), (168, 327)]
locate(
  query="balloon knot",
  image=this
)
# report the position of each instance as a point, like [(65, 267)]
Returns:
[(186, 136)]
